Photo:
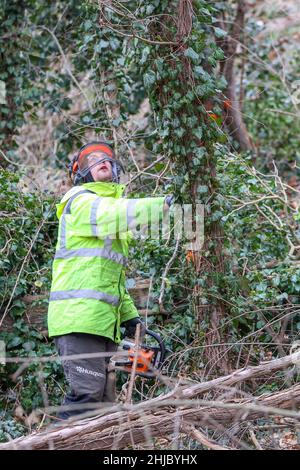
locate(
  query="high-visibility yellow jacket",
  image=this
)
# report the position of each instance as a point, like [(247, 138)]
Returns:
[(88, 293)]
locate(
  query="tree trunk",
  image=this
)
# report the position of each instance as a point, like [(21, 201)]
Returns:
[(234, 117)]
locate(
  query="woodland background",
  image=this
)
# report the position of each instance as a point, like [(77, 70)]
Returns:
[(201, 99)]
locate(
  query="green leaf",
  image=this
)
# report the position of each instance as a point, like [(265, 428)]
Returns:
[(101, 45), (14, 342), (149, 79), (202, 189), (2, 92), (28, 345), (198, 133), (220, 33), (191, 54), (18, 303), (145, 54), (276, 281)]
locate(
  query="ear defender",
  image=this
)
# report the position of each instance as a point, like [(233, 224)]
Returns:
[(73, 167)]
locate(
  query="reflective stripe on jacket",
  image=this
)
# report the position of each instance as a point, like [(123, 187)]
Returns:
[(88, 293)]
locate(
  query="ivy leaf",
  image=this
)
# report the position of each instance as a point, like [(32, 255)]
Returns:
[(276, 281), (198, 132), (150, 9), (28, 345), (145, 54), (101, 45), (179, 132), (200, 152), (116, 122), (14, 342), (18, 303), (191, 54), (202, 189), (2, 92), (87, 25), (216, 216), (220, 33), (200, 72), (114, 43), (149, 79)]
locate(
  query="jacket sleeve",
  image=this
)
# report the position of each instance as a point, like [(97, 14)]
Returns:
[(100, 217), (128, 310)]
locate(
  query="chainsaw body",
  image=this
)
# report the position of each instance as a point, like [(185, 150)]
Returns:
[(149, 357)]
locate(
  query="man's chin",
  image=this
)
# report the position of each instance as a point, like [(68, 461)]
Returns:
[(103, 178)]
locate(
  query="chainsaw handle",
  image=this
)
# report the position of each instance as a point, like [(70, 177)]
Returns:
[(162, 348)]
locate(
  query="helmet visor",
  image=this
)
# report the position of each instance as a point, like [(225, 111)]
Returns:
[(86, 162)]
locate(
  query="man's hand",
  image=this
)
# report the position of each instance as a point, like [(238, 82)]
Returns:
[(130, 327), (169, 200)]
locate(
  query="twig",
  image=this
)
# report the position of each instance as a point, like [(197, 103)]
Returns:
[(21, 269), (67, 65), (164, 276), (21, 165), (254, 440), (135, 36), (145, 169), (200, 437), (133, 370)]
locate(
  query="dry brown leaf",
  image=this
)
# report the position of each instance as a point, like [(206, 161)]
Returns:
[(288, 440)]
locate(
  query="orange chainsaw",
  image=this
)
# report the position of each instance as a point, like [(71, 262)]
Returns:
[(150, 358)]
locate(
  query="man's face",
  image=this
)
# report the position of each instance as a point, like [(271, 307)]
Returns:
[(102, 171)]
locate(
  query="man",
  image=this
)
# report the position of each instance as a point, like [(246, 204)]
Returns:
[(88, 300)]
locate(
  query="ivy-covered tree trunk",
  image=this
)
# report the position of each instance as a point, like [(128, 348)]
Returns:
[(184, 92)]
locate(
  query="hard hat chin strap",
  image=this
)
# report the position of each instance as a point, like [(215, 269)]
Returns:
[(88, 178)]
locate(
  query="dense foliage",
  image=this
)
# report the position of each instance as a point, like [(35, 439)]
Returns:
[(96, 68)]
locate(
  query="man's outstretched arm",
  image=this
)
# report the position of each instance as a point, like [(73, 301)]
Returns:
[(105, 216)]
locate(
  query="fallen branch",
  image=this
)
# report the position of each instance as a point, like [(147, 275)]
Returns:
[(156, 417), (105, 431), (254, 440)]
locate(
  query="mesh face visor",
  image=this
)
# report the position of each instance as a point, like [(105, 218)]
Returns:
[(87, 156), (87, 162)]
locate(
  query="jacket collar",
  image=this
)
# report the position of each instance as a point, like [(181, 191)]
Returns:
[(105, 189)]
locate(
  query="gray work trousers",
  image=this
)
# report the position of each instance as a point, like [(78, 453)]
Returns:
[(89, 379)]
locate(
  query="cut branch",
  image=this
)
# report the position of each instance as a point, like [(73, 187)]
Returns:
[(156, 417)]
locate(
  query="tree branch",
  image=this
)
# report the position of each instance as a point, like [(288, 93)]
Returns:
[(156, 416)]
